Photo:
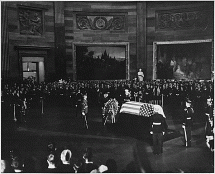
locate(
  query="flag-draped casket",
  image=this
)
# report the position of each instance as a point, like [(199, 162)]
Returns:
[(130, 109), (134, 118), (141, 109)]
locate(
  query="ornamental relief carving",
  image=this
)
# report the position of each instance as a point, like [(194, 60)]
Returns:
[(30, 21), (182, 20), (100, 22)]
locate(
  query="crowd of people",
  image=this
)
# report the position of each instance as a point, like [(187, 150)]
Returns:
[(81, 93), (57, 160), (143, 91), (20, 96)]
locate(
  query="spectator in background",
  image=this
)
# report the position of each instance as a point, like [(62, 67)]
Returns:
[(130, 168), (29, 165), (51, 147), (52, 168), (16, 161), (111, 165), (88, 164), (65, 166), (78, 166), (5, 166)]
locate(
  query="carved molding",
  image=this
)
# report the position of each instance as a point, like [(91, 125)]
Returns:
[(31, 21), (182, 20), (92, 22)]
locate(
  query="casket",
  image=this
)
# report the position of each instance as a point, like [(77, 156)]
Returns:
[(134, 118), (141, 109)]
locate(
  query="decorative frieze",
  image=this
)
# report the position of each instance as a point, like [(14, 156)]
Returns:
[(182, 20), (92, 22), (31, 21)]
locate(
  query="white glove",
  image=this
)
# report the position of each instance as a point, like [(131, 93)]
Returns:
[(151, 132)]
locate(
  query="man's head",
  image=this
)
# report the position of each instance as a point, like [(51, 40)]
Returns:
[(85, 96), (209, 101), (3, 166), (127, 91), (51, 147), (88, 154), (51, 159), (188, 102), (106, 94)]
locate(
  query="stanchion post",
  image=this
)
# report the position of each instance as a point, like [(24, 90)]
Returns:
[(42, 109), (14, 112), (162, 100)]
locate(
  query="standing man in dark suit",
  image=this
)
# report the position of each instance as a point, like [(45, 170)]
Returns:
[(188, 122), (158, 128)]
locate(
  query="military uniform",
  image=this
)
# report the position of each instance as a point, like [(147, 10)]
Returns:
[(103, 101), (78, 100), (158, 128), (209, 127), (187, 124), (84, 111)]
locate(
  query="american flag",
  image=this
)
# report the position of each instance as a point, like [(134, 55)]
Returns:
[(146, 110), (137, 108)]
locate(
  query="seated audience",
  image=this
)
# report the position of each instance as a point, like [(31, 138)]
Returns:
[(16, 161), (111, 165), (52, 168), (88, 164), (29, 165), (65, 166), (78, 166), (5, 167)]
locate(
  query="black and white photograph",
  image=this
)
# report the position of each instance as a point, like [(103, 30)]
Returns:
[(107, 86)]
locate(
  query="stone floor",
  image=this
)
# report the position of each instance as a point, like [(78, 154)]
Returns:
[(132, 151)]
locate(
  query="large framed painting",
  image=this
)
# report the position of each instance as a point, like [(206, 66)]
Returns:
[(101, 61), (183, 60)]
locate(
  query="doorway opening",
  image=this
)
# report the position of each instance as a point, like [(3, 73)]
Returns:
[(33, 67)]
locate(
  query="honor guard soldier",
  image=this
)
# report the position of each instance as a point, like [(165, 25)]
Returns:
[(188, 122), (84, 110), (78, 101), (157, 129), (103, 101), (209, 128)]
